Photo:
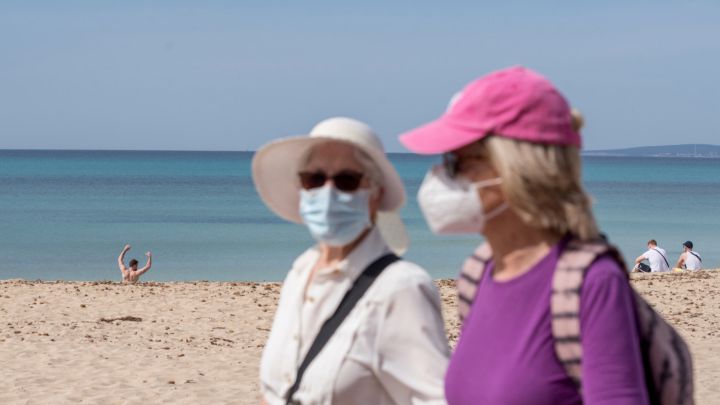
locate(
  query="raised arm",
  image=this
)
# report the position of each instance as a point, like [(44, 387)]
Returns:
[(121, 258), (147, 265)]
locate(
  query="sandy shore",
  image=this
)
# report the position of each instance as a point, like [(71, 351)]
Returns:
[(111, 343)]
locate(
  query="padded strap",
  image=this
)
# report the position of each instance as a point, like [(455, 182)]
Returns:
[(470, 276), (565, 303), (567, 282)]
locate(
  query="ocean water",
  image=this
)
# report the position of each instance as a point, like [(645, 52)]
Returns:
[(67, 214)]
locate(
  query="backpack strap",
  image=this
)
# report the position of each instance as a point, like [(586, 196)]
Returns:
[(567, 282), (470, 276), (666, 357)]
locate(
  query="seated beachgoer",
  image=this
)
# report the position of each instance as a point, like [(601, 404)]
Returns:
[(689, 259), (656, 256), (131, 274)]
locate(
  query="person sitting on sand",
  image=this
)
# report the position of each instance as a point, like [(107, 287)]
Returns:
[(338, 337), (131, 274), (689, 259), (656, 256)]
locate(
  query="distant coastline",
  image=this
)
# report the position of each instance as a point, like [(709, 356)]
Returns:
[(699, 151)]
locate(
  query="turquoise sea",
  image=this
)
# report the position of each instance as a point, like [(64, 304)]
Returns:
[(67, 214)]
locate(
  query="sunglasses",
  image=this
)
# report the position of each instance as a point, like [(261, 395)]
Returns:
[(453, 164), (346, 180)]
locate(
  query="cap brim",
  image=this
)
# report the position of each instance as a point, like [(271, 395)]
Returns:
[(439, 136)]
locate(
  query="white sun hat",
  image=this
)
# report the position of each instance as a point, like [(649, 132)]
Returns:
[(275, 169)]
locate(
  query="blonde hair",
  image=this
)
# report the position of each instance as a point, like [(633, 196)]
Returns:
[(543, 184)]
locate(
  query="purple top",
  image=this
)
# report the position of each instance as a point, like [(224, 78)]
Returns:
[(505, 354)]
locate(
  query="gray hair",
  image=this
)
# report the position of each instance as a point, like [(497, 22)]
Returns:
[(370, 168)]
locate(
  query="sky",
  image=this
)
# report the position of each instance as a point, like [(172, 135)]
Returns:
[(215, 75)]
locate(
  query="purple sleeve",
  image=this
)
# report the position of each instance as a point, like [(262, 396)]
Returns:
[(612, 363)]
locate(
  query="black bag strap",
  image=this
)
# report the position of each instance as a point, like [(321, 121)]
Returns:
[(363, 282), (693, 253), (663, 256)]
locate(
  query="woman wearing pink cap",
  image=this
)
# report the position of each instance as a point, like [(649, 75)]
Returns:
[(511, 172)]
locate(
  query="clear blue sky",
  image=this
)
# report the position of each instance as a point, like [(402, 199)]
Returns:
[(232, 75)]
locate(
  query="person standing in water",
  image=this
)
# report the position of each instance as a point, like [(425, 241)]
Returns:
[(131, 274)]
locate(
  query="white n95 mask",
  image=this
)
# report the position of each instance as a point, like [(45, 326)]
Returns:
[(451, 206)]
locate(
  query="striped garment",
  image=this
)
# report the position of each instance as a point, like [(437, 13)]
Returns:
[(666, 357)]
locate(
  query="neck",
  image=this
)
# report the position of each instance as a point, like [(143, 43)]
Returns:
[(333, 254), (516, 246)]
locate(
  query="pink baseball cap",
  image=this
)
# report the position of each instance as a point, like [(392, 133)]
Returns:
[(515, 103)]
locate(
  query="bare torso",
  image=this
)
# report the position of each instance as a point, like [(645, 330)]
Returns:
[(131, 276)]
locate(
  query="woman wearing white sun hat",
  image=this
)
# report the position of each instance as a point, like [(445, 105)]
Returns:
[(355, 324)]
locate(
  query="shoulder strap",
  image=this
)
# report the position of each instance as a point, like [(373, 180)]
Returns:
[(696, 255), (358, 289), (565, 304), (567, 282), (470, 276), (663, 256)]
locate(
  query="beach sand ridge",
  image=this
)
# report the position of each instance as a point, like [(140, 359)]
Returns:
[(200, 342)]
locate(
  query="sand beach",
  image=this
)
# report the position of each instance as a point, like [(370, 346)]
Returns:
[(200, 342)]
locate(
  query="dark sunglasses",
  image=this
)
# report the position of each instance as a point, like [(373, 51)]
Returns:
[(452, 163), (346, 180)]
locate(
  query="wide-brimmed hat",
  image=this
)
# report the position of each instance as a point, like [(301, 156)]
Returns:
[(275, 169), (515, 103)]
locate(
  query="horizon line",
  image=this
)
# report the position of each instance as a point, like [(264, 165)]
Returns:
[(253, 151), (149, 150)]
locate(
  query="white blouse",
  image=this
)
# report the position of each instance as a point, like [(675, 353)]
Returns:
[(391, 349)]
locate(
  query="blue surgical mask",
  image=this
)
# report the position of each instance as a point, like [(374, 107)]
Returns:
[(335, 217)]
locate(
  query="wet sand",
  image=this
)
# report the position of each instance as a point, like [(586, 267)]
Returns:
[(201, 342)]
